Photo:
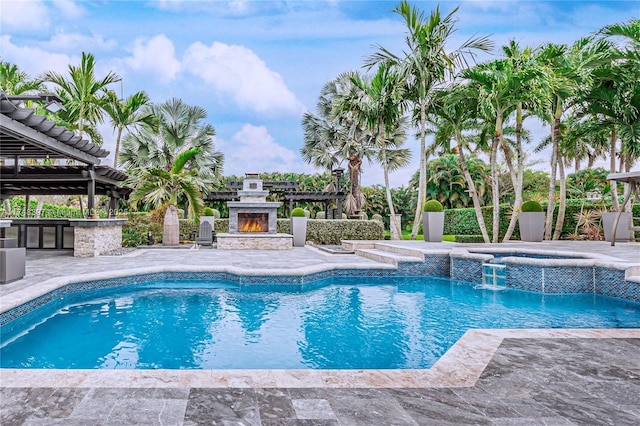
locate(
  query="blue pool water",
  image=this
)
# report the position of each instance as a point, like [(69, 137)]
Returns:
[(339, 323)]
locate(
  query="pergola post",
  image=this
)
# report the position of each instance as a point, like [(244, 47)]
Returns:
[(91, 191)]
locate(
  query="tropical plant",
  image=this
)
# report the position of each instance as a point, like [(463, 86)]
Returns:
[(158, 187), (432, 206), (84, 96), (425, 65), (13, 81), (126, 114), (379, 101), (179, 130)]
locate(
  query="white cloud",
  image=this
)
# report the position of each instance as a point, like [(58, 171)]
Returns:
[(252, 149), (79, 42), (237, 72), (69, 8), (33, 60), (24, 15), (155, 56)]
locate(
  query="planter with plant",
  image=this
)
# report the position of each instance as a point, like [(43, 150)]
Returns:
[(299, 227), (432, 221), (531, 221)]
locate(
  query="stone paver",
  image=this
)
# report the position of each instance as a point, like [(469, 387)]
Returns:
[(528, 382)]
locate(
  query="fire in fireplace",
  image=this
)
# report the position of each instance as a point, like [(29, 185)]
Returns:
[(253, 222)]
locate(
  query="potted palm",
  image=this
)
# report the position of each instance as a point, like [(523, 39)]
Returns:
[(299, 227), (531, 221), (432, 221)]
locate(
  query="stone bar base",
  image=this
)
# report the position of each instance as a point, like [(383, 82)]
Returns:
[(255, 241), (95, 237)]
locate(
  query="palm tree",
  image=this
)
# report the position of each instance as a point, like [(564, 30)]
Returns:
[(496, 85), (424, 66), (380, 103), (16, 82), (180, 128), (455, 111), (331, 138), (566, 70), (158, 187), (84, 96), (127, 115)]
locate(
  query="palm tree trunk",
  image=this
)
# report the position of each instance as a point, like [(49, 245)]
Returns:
[(612, 163), (171, 234), (555, 134), (115, 152), (354, 180), (422, 180), (517, 185), (563, 201), (472, 190), (393, 222), (495, 190)]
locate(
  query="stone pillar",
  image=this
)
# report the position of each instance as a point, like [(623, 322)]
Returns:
[(96, 237)]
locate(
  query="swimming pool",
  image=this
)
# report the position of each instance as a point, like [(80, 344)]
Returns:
[(333, 323)]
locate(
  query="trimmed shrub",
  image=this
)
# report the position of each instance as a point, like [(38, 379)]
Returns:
[(432, 206), (531, 207), (469, 239), (377, 217), (216, 213), (332, 231), (298, 212), (208, 211)]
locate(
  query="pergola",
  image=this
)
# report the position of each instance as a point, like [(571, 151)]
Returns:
[(27, 135)]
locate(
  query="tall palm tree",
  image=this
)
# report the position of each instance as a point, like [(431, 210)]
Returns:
[(496, 85), (331, 138), (456, 110), (380, 102), (127, 115), (566, 70), (13, 81), (158, 187), (425, 65), (84, 96)]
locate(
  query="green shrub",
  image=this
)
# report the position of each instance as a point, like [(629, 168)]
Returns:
[(333, 231), (208, 211), (216, 213), (377, 217), (135, 230), (432, 206), (469, 239), (298, 212), (531, 207)]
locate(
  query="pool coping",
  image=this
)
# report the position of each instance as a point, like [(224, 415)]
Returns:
[(460, 366)]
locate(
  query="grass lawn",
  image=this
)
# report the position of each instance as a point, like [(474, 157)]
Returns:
[(406, 235)]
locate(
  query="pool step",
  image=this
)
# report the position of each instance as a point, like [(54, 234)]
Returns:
[(385, 256)]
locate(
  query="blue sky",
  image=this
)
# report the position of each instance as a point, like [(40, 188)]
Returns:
[(256, 66)]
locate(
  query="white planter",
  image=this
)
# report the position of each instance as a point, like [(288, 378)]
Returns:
[(433, 226), (531, 226), (623, 233), (299, 230)]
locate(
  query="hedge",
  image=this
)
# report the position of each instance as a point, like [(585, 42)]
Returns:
[(463, 222), (319, 231)]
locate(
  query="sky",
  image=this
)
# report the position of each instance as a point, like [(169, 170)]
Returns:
[(256, 66)]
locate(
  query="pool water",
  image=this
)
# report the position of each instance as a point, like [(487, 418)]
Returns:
[(338, 323)]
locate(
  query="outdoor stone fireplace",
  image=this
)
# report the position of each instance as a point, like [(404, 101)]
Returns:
[(253, 220)]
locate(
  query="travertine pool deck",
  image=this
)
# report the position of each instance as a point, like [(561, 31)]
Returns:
[(488, 377)]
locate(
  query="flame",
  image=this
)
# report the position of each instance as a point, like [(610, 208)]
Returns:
[(251, 226)]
